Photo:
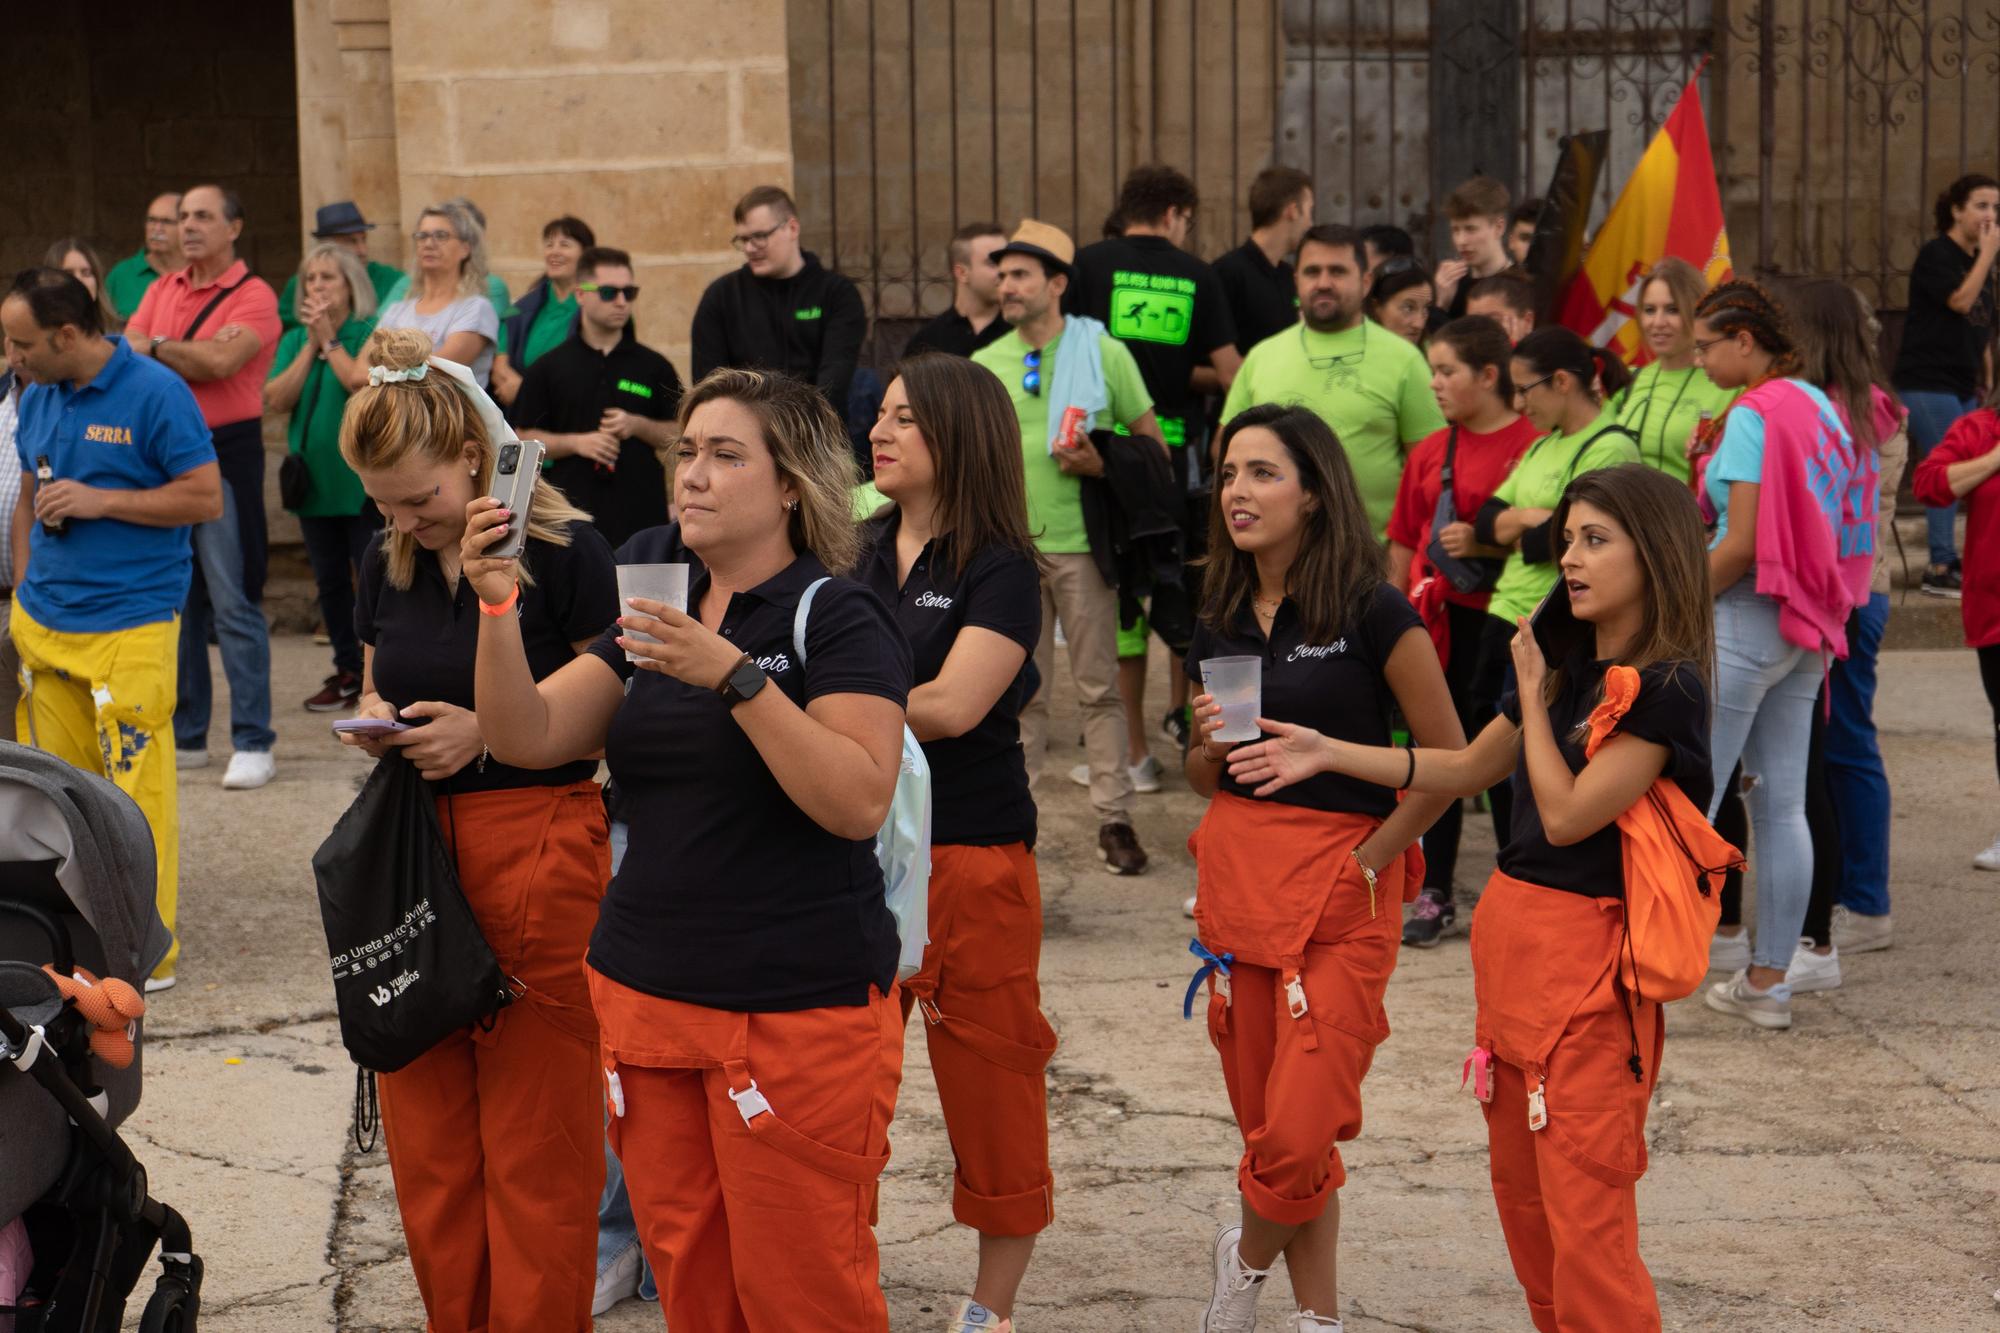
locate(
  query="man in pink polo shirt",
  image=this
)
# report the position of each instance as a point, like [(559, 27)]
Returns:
[(217, 327)]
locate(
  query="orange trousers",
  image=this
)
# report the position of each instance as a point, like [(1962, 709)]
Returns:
[(1556, 1020), (752, 1145), (980, 993), (493, 1136)]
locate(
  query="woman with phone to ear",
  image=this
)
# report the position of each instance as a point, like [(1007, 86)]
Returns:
[(492, 1134), (743, 967), (1557, 1028)]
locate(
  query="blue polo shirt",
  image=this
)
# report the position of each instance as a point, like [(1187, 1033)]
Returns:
[(134, 427)]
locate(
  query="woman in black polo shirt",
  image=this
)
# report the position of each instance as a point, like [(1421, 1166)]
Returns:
[(743, 966), (492, 1133), (952, 557), (1299, 898)]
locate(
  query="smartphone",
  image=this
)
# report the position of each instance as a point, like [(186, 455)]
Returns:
[(515, 471), (367, 726), (1556, 628)]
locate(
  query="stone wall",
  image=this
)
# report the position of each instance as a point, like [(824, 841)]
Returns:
[(347, 118)]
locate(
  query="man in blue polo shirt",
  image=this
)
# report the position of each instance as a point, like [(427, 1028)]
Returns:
[(116, 464)]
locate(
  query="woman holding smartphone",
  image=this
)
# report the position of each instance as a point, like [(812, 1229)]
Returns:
[(493, 1133), (743, 967), (1299, 898), (1558, 1029), (953, 559)]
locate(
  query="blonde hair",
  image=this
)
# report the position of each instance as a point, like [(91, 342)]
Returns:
[(812, 452), (360, 288), (431, 420), (472, 272), (1683, 282)]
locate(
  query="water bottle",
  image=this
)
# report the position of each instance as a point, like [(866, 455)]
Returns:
[(44, 474)]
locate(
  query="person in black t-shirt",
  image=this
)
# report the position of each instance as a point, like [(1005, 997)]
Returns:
[(1947, 351), (744, 958), (1613, 724), (603, 404), (953, 559), (1301, 891), (502, 1122), (974, 318), (1256, 276)]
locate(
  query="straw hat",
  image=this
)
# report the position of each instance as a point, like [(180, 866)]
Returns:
[(1051, 245)]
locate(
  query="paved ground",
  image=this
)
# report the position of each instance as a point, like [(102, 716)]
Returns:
[(1841, 1176)]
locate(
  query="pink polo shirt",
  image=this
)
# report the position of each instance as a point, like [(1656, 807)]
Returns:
[(171, 304)]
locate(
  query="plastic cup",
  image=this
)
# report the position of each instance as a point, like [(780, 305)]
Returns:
[(1237, 683), (656, 583)]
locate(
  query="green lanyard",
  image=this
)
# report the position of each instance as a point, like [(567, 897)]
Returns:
[(1647, 415)]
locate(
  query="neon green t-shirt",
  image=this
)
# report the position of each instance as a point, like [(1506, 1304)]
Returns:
[(1055, 498), (1372, 387), (1537, 482), (1661, 407), (550, 329)]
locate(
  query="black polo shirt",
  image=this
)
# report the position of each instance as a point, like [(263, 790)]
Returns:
[(567, 391), (729, 895), (426, 636), (1263, 298), (1165, 305), (979, 781), (1671, 710), (952, 332), (1335, 687)]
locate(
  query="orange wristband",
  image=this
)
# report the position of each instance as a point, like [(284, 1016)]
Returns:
[(501, 608)]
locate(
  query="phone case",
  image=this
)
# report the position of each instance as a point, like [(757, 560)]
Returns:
[(514, 473)]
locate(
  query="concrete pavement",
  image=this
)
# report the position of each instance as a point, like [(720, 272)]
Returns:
[(1840, 1176)]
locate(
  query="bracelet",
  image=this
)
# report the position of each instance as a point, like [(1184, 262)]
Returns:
[(1203, 747), (1410, 776), (501, 608)]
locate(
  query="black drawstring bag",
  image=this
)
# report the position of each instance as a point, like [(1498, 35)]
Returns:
[(410, 966)]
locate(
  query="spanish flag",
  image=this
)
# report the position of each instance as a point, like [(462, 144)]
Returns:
[(1670, 206)]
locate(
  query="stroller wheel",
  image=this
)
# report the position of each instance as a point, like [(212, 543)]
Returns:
[(172, 1309)]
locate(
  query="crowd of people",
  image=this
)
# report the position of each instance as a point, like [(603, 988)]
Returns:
[(1476, 561)]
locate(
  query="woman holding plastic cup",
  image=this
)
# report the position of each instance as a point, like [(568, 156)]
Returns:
[(1299, 902)]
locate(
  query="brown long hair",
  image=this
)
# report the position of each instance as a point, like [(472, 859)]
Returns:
[(1339, 564), (975, 443), (1478, 341), (1836, 343), (59, 250), (1658, 512)]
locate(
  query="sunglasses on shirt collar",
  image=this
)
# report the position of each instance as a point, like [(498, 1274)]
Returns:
[(1032, 380)]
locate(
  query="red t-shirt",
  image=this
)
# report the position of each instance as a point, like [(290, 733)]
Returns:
[(1971, 435), (1481, 463), (171, 304)]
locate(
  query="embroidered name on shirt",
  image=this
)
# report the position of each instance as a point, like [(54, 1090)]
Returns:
[(1334, 649), (635, 388), (108, 434), (810, 312), (932, 599), (775, 664)]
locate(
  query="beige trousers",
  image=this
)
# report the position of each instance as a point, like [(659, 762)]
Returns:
[(1074, 593)]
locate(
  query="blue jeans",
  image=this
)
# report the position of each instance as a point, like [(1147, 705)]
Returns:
[(215, 596), (616, 1231), (1765, 688), (1931, 415), (1855, 778)]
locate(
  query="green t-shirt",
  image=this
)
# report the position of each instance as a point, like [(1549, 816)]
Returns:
[(1055, 498), (1372, 387), (127, 283), (384, 278), (1537, 482), (314, 430), (551, 327), (1661, 407)]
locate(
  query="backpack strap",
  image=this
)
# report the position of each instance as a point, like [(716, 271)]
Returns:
[(799, 617)]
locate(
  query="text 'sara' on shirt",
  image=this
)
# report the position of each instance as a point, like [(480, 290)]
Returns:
[(1671, 710), (1263, 297), (979, 780), (1163, 304), (1334, 686), (729, 895), (953, 333), (567, 392), (426, 636)]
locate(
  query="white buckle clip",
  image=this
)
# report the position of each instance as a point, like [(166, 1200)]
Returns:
[(617, 1093), (1295, 996), (1538, 1110), (751, 1103)]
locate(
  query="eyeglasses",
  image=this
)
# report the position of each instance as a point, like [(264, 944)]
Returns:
[(1522, 390), (755, 240), (152, 221), (1701, 347), (630, 293), (441, 235), (1032, 381), (1340, 367)]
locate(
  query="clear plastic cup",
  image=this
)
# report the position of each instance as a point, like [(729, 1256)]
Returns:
[(1237, 683), (656, 583)]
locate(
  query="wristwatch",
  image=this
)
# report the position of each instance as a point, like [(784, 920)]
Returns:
[(157, 339), (742, 682)]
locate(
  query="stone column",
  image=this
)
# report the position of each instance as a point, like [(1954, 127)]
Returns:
[(347, 116)]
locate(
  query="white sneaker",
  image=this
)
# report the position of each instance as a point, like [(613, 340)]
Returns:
[(619, 1279), (1988, 859), (1305, 1321), (1857, 932), (1187, 908), (1811, 971), (1145, 774), (1729, 953), (156, 983), (185, 759), (248, 770), (1766, 1008), (1233, 1307), (972, 1317)]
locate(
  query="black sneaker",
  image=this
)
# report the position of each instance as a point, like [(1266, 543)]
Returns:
[(1174, 726), (1432, 916), (1121, 851), (1943, 581)]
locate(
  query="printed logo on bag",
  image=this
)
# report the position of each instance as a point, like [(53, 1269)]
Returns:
[(1317, 650), (381, 995), (375, 951), (931, 599), (108, 434), (774, 665)]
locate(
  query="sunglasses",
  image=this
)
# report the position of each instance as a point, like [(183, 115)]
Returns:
[(1032, 380), (630, 293)]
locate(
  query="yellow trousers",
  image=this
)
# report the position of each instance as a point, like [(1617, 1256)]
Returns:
[(105, 703)]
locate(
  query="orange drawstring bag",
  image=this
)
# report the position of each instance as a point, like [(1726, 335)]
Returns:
[(1674, 865)]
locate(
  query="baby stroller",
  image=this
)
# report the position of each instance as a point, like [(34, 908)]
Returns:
[(76, 890)]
